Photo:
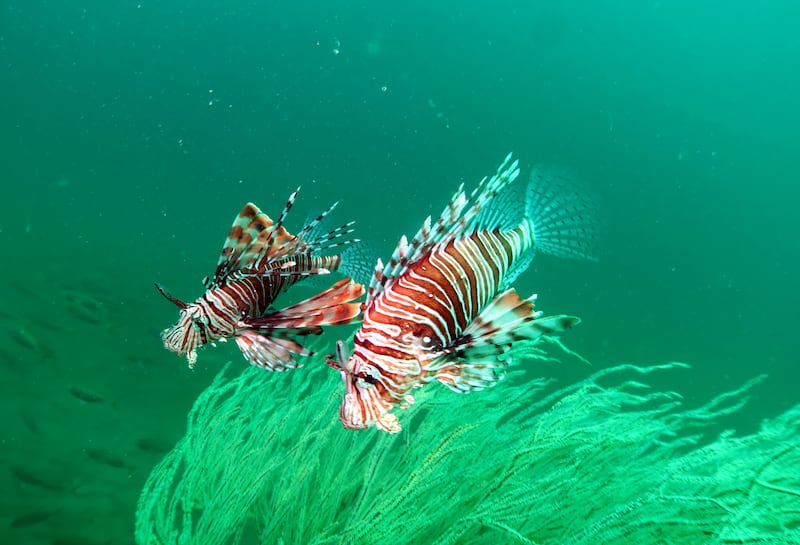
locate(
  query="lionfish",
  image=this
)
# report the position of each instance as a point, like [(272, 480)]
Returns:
[(259, 260), (442, 309)]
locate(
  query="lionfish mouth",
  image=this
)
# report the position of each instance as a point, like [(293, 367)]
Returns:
[(175, 340), (182, 337), (172, 339)]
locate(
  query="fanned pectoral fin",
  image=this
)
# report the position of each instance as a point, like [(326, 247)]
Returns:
[(269, 341), (271, 352), (510, 318), (467, 376), (333, 306), (476, 359)]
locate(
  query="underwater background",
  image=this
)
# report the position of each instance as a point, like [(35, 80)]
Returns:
[(134, 131)]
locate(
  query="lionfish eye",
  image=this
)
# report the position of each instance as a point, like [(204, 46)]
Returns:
[(429, 342), (198, 321)]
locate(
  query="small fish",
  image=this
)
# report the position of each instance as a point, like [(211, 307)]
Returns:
[(25, 339), (153, 445), (85, 307), (30, 519), (259, 260), (442, 309), (107, 457), (85, 395), (32, 478)]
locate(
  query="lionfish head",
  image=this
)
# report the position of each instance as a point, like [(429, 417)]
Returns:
[(189, 332), (362, 406)]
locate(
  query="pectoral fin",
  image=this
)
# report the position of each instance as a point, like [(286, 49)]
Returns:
[(272, 351), (477, 358), (334, 306)]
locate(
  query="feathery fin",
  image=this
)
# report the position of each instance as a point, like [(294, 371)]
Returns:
[(256, 244), (251, 236), (274, 352), (334, 306), (565, 215), (462, 216), (477, 358), (271, 343)]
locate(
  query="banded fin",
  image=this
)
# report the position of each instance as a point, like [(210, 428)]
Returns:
[(462, 216), (565, 215), (271, 352), (333, 306), (270, 344), (314, 238), (249, 238), (257, 244), (476, 359)]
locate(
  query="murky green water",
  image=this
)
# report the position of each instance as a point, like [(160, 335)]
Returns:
[(134, 131)]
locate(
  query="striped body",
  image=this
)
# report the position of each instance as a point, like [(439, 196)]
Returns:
[(442, 310), (424, 311), (259, 260), (221, 311)]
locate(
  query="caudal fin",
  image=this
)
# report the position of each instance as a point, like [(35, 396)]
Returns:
[(565, 216)]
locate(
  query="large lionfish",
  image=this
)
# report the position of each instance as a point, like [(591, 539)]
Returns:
[(259, 260), (442, 309)]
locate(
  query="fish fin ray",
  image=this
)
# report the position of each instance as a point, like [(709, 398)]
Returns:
[(509, 318), (478, 357), (356, 262), (252, 235), (276, 351), (480, 211), (464, 377), (334, 306), (318, 236), (462, 216), (257, 245), (565, 216), (244, 232)]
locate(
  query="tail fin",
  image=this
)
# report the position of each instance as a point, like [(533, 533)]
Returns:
[(358, 262), (564, 215)]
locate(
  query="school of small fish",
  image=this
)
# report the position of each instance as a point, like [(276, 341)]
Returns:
[(442, 308)]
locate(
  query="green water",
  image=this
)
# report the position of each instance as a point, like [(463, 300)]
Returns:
[(134, 131)]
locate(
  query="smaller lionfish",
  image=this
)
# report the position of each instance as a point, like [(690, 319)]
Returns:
[(259, 260), (442, 309)]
